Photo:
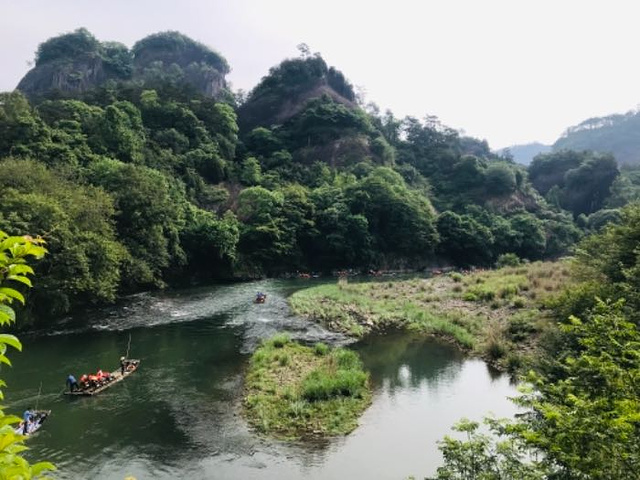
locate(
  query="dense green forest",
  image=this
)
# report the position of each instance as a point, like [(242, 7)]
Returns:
[(141, 168), (164, 176), (581, 402)]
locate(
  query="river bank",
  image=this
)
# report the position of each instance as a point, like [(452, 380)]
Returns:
[(496, 314)]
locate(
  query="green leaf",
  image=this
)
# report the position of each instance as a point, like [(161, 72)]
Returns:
[(21, 279), (11, 293), (11, 340), (5, 360), (8, 311), (40, 467)]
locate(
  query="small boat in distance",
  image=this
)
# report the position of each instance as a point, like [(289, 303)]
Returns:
[(128, 366), (260, 297), (33, 425)]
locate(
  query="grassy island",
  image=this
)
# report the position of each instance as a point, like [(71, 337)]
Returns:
[(498, 314), (294, 391)]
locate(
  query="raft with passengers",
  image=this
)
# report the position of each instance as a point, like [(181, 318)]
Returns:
[(91, 384)]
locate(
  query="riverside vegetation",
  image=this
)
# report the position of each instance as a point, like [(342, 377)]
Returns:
[(580, 400), (142, 169), (498, 314), (294, 391), (163, 175)]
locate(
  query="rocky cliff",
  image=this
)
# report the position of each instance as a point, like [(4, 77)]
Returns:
[(76, 62)]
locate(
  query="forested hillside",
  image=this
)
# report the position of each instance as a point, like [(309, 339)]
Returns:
[(617, 134), (162, 176)]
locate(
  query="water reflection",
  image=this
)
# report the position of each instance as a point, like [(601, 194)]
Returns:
[(402, 361), (180, 416)]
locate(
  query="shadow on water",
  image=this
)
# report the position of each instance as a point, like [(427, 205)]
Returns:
[(179, 415)]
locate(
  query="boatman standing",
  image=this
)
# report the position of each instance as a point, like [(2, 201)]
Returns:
[(27, 416), (72, 383)]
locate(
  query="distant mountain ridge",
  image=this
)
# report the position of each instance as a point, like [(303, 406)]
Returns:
[(524, 154), (618, 134)]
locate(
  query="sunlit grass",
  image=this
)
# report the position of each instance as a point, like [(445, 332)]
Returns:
[(294, 391), (474, 309)]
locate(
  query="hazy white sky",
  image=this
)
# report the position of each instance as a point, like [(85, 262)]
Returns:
[(509, 71)]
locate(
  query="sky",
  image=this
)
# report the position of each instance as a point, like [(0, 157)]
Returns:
[(508, 71)]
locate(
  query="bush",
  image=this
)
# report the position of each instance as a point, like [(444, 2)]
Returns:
[(500, 179), (508, 291), (521, 327), (519, 302), (508, 260), (321, 349), (482, 292), (495, 349), (470, 297), (456, 277)]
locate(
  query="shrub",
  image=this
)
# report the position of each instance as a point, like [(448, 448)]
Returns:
[(514, 362), (320, 349), (483, 292), (495, 349), (508, 291), (470, 297), (508, 260), (456, 277), (521, 327), (519, 302)]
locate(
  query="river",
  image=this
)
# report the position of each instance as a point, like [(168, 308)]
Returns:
[(179, 415)]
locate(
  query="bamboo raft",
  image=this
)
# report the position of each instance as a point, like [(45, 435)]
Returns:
[(116, 376), (39, 417)]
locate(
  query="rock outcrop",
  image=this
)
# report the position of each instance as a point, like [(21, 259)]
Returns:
[(76, 62)]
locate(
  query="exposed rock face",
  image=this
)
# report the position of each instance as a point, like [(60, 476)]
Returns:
[(76, 76), (286, 90), (166, 57), (294, 105), (209, 82)]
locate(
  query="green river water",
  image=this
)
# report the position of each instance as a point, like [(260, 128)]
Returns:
[(179, 416)]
